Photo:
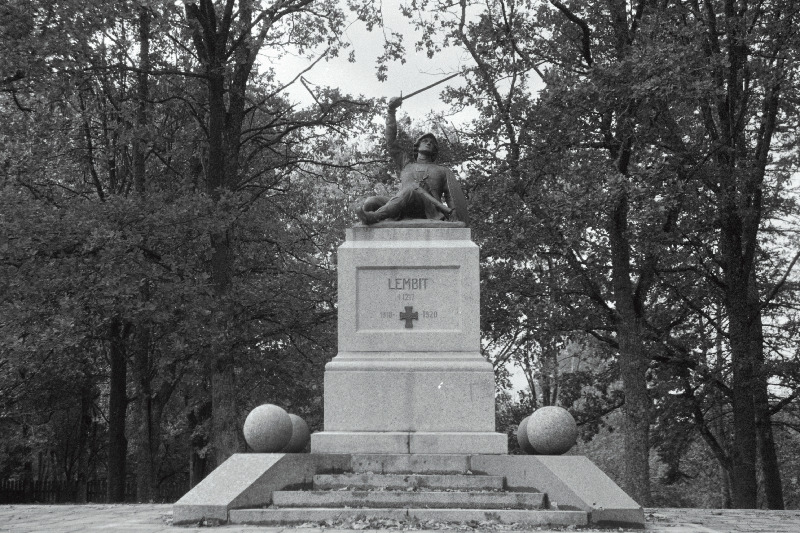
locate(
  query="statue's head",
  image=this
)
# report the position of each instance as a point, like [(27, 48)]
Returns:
[(429, 146)]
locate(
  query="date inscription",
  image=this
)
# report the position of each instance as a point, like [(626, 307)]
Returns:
[(391, 315)]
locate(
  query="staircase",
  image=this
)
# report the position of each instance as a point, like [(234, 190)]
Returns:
[(438, 488)]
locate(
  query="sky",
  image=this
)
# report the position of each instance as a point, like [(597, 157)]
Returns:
[(360, 77)]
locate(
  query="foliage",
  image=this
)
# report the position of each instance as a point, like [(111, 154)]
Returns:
[(101, 257)]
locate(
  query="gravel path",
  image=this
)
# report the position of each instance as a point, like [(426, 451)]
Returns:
[(158, 518)]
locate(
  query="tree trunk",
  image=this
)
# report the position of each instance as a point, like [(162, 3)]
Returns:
[(739, 197), (224, 416), (636, 414), (145, 467), (765, 442), (117, 410), (84, 444), (144, 436), (148, 426), (151, 409), (718, 411), (725, 488), (544, 382), (139, 140), (549, 372), (27, 474), (224, 419), (150, 401), (198, 464), (531, 379), (737, 263), (633, 362), (197, 467), (743, 454)]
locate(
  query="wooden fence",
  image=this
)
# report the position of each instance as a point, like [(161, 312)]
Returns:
[(16, 491)]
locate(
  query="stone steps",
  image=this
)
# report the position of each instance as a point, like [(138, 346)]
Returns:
[(271, 516), (404, 499), (410, 463), (438, 488), (367, 481)]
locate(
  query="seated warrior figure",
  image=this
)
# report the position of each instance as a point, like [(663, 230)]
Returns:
[(423, 184)]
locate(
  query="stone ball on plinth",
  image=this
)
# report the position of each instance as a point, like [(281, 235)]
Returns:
[(300, 436), (267, 429), (522, 437), (551, 430)]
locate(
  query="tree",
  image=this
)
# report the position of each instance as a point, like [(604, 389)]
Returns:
[(227, 40)]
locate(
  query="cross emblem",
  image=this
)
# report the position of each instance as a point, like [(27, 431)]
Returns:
[(408, 316)]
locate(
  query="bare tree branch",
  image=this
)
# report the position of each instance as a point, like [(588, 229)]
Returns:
[(586, 42)]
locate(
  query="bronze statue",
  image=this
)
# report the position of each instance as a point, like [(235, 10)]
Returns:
[(427, 190)]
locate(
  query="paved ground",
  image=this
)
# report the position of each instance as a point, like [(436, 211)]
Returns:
[(157, 519)]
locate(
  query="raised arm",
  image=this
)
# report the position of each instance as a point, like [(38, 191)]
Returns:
[(400, 158)]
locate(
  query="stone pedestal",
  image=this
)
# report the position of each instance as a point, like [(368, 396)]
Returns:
[(409, 376), (409, 403)]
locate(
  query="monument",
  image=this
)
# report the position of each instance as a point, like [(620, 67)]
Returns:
[(409, 376), (409, 427)]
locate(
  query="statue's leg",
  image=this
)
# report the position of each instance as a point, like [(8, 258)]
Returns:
[(373, 203), (405, 204), (366, 211)]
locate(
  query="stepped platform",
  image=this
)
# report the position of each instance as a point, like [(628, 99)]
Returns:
[(286, 489), (157, 518)]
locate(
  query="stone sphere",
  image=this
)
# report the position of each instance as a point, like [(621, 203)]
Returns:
[(267, 429), (522, 437), (300, 436), (552, 430)]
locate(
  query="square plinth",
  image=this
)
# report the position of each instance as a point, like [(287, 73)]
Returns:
[(409, 376), (408, 289)]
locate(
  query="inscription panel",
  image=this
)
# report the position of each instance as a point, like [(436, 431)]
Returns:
[(408, 299)]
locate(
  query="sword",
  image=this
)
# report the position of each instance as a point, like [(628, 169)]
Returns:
[(434, 84)]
